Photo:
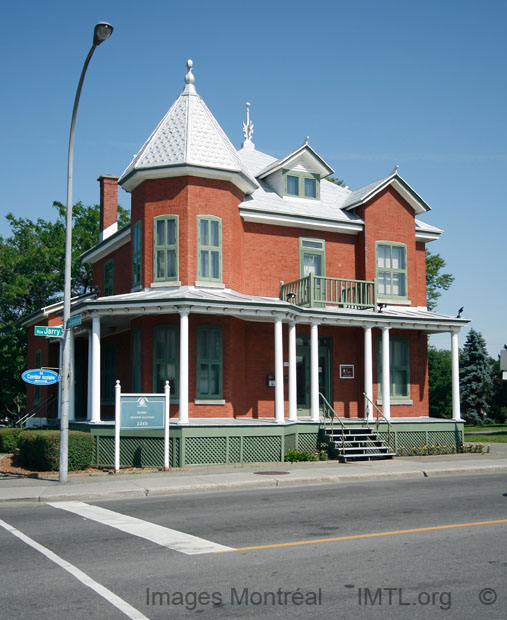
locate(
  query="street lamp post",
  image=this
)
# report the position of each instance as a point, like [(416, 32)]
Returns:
[(101, 32)]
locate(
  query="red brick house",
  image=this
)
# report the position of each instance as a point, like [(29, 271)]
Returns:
[(253, 284)]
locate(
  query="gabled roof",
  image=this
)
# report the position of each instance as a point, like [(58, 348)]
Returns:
[(321, 166), (188, 140), (363, 194)]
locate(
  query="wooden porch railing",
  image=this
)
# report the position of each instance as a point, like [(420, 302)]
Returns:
[(322, 291)]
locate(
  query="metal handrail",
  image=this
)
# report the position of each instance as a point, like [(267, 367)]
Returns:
[(28, 416), (333, 416), (388, 422)]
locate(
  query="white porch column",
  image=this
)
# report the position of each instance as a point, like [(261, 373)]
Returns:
[(89, 382), (386, 374), (456, 411), (293, 408), (95, 400), (368, 374), (314, 372), (279, 398), (72, 380), (184, 366)]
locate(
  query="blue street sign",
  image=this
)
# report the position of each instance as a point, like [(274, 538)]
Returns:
[(40, 376), (142, 412), (74, 320)]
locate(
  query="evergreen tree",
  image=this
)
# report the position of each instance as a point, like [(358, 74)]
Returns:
[(475, 379)]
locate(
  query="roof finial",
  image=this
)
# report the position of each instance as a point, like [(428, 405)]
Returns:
[(248, 128), (306, 140), (395, 169), (189, 78)]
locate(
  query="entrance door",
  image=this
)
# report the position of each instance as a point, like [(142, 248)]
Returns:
[(303, 357)]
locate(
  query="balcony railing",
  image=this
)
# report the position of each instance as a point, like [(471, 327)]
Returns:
[(317, 291)]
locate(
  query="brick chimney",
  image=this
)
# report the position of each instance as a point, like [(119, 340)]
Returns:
[(108, 205)]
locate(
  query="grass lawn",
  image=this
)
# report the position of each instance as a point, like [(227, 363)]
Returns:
[(501, 438), (485, 427)]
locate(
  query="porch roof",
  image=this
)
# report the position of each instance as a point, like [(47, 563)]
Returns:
[(117, 311)]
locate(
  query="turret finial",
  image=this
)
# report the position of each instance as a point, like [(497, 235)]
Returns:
[(189, 78)]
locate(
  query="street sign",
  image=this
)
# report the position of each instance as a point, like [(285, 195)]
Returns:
[(49, 331), (74, 320), (142, 412), (40, 376)]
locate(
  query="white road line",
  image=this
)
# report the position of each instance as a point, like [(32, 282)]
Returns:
[(172, 539), (85, 579)]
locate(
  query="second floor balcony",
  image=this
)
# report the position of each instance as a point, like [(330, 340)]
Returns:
[(314, 291)]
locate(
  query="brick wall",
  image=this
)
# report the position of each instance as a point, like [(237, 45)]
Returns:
[(388, 217)]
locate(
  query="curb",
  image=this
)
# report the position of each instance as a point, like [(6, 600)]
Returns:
[(49, 495)]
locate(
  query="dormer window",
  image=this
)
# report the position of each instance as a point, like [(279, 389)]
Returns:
[(301, 184)]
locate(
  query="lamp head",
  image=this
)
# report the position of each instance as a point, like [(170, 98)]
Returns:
[(101, 32)]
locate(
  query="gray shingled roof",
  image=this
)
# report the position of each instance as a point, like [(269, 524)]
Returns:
[(188, 135)]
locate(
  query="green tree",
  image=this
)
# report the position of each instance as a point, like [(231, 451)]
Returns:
[(440, 382), (85, 234), (498, 409), (32, 263), (435, 280), (336, 181), (475, 378)]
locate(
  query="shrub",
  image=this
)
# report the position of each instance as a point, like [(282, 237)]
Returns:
[(9, 439), (297, 455), (41, 450)]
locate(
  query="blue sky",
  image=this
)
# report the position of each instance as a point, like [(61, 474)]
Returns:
[(374, 84)]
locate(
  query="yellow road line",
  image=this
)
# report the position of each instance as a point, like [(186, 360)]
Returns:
[(357, 536)]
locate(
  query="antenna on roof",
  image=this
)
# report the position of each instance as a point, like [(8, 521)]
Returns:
[(395, 169), (248, 129)]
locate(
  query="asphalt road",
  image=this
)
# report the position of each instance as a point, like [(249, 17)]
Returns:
[(362, 562)]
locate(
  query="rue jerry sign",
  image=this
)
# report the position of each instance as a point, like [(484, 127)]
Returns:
[(40, 376), (142, 412), (48, 331)]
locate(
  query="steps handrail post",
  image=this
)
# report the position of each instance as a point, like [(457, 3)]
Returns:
[(377, 420)]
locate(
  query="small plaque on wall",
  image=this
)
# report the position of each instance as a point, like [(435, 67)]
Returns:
[(346, 371)]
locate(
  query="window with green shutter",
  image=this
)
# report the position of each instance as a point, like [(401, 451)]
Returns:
[(165, 359), (136, 254), (165, 248), (391, 270), (107, 373), (109, 277), (399, 365), (209, 248), (209, 362)]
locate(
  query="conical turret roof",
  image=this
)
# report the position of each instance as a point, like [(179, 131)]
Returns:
[(188, 141)]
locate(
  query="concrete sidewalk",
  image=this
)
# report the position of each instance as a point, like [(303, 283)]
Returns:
[(259, 475)]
